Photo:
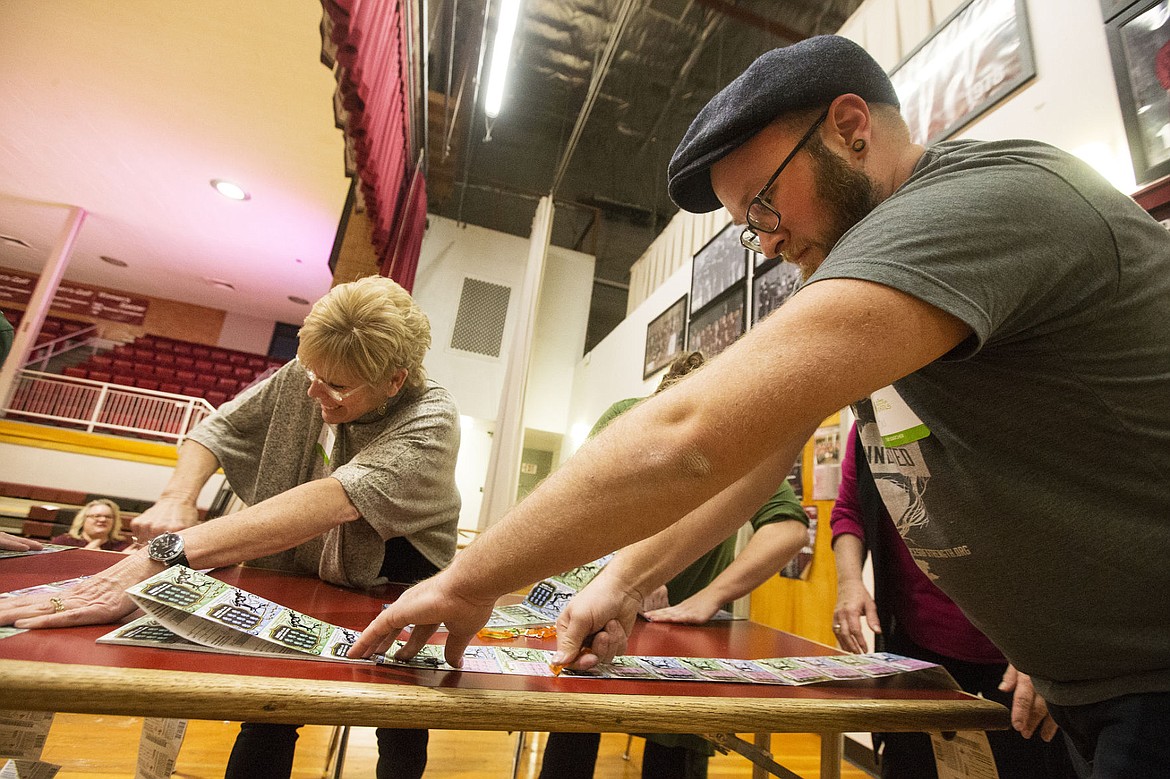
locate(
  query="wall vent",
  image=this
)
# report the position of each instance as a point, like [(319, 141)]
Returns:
[(479, 324)]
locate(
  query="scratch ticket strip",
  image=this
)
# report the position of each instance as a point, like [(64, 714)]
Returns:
[(189, 610)]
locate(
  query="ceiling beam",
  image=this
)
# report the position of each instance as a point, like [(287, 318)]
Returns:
[(755, 20)]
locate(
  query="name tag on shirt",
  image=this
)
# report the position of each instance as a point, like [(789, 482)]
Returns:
[(897, 424)]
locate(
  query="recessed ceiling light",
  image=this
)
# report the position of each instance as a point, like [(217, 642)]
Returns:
[(230, 189), (114, 261), (298, 300), (220, 284)]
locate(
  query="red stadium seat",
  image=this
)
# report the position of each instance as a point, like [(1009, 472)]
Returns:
[(163, 372), (222, 369), (147, 384), (100, 376), (75, 371), (171, 387), (215, 398)]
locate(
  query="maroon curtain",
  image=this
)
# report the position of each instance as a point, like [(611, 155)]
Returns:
[(364, 41)]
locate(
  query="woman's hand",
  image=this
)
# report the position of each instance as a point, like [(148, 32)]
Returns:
[(854, 604), (12, 543), (97, 600), (168, 515)]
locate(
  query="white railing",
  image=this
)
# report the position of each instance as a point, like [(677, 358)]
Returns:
[(105, 408), (43, 352)]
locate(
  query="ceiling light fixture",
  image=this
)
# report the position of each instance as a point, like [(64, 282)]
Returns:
[(14, 241), (220, 284), (114, 261), (230, 190), (501, 55)]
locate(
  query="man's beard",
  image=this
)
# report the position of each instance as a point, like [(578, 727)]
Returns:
[(847, 195)]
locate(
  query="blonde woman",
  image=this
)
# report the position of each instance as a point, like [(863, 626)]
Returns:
[(346, 460), (98, 525)]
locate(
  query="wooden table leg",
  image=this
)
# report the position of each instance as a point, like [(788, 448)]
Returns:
[(764, 742), (832, 747)]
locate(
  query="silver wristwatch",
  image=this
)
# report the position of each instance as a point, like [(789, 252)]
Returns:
[(168, 550)]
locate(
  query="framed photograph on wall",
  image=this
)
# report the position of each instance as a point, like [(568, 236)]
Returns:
[(1139, 45), (975, 58), (716, 327), (718, 266), (771, 286), (666, 337)]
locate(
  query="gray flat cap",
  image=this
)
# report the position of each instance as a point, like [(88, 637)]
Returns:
[(804, 75)]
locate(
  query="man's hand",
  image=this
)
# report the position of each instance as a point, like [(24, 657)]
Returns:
[(168, 515), (596, 625), (17, 544), (695, 610), (94, 601), (854, 603), (433, 602), (1029, 710)]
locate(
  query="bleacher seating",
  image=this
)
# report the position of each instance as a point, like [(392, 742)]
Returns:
[(161, 364)]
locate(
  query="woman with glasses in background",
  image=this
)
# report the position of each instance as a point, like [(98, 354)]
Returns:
[(98, 525), (346, 460)]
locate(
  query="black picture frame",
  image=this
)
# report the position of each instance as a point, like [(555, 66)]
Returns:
[(717, 267), (772, 285), (666, 337), (718, 325), (979, 54), (1141, 67)]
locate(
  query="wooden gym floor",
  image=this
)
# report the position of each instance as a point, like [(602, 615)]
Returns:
[(104, 747)]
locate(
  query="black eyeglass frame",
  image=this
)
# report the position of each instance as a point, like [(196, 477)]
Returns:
[(750, 237)]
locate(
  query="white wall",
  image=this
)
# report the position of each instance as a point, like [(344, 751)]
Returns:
[(613, 370), (247, 333), (561, 321), (95, 475), (450, 253)]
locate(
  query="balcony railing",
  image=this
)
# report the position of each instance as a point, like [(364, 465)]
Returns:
[(49, 347), (105, 408)]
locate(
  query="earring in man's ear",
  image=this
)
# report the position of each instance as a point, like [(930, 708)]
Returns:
[(858, 145)]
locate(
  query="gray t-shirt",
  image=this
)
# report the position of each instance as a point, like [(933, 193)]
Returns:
[(397, 469), (1040, 502)]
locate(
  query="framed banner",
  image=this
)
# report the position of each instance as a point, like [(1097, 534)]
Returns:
[(1139, 45), (666, 337), (716, 328), (975, 58), (718, 266), (771, 286)]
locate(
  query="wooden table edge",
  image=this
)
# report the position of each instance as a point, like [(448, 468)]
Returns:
[(39, 686)]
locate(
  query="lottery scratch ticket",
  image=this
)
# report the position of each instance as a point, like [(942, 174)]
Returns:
[(548, 598)]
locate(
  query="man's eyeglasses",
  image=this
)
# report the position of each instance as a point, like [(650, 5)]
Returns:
[(761, 217), (338, 396)]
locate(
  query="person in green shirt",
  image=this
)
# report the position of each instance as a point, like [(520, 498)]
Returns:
[(6, 336), (697, 593)]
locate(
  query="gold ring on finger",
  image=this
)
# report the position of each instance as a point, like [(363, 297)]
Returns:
[(58, 605)]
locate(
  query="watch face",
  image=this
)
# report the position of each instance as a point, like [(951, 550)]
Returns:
[(166, 547)]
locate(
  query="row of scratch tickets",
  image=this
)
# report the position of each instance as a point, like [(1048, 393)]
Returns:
[(773, 670), (188, 610)]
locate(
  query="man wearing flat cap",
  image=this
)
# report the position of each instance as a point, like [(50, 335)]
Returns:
[(996, 315)]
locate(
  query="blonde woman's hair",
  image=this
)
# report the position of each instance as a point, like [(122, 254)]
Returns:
[(79, 521), (370, 328)]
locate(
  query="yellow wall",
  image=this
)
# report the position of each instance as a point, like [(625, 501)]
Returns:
[(804, 606)]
